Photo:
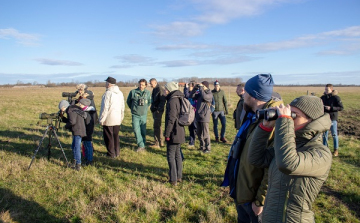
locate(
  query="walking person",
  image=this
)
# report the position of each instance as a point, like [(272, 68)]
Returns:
[(192, 128), (174, 132), (157, 110), (111, 116), (139, 100), (204, 97), (220, 112), (332, 105), (238, 112)]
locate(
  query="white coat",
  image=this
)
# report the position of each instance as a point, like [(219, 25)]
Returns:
[(112, 107)]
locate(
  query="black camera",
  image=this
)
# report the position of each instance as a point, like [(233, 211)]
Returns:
[(69, 94), (141, 102), (269, 114)]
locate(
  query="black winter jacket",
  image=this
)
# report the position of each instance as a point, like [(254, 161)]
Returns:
[(75, 120), (335, 104), (173, 130), (90, 123), (158, 99)]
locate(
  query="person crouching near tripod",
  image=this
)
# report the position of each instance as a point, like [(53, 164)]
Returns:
[(75, 122)]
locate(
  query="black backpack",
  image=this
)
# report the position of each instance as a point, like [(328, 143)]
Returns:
[(187, 112)]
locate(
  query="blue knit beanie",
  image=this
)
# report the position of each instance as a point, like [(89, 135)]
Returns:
[(260, 87)]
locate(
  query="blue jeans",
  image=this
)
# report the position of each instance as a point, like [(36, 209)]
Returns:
[(333, 130), (246, 214), (88, 151), (222, 117), (76, 148)]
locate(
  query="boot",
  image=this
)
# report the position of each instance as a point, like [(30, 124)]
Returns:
[(336, 153), (223, 140)]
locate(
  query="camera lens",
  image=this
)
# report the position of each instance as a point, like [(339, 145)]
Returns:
[(271, 114)]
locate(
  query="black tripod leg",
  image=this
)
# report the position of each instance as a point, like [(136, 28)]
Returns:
[(37, 150), (67, 163)]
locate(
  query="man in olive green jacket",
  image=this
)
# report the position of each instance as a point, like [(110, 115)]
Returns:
[(220, 112), (139, 101), (298, 162)]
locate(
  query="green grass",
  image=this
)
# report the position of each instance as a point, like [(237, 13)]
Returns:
[(133, 187)]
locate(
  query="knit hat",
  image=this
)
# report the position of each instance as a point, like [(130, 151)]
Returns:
[(85, 101), (216, 82), (260, 87), (172, 86), (205, 83), (111, 80), (63, 103), (312, 106)]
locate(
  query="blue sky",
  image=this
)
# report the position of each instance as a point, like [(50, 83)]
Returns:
[(297, 41)]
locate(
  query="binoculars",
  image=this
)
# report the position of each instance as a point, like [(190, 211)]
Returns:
[(270, 114)]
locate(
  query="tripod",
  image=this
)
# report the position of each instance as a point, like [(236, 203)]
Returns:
[(50, 130)]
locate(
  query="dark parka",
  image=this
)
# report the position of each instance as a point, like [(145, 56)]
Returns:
[(90, 120), (75, 120), (204, 99), (158, 99), (220, 100), (334, 101), (237, 115), (298, 166), (173, 130)]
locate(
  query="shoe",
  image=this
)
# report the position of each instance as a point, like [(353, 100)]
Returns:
[(336, 153), (140, 149), (217, 139), (77, 167), (200, 149), (173, 183), (223, 140), (179, 180), (206, 151), (156, 146)]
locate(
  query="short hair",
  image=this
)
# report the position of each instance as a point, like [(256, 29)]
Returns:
[(142, 80), (241, 85), (152, 79), (81, 87), (329, 85)]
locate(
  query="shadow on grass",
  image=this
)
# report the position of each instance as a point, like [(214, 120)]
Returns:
[(350, 200), (21, 210)]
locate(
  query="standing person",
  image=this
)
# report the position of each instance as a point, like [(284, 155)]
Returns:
[(204, 97), (157, 110), (332, 105), (192, 128), (111, 116), (298, 162), (174, 132), (248, 184), (84, 92), (220, 111), (89, 125), (75, 122), (139, 100), (238, 112)]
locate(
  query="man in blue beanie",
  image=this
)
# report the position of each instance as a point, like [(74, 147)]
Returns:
[(248, 184)]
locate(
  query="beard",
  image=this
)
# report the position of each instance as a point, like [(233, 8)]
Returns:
[(247, 107)]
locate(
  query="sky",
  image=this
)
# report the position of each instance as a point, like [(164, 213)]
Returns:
[(297, 41)]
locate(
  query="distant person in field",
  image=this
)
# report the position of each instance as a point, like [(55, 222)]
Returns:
[(238, 112), (192, 128), (111, 116), (298, 162), (139, 100), (157, 110), (220, 112), (174, 132), (332, 105), (204, 97)]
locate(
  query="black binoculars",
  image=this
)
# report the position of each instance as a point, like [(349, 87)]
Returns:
[(270, 114), (141, 102)]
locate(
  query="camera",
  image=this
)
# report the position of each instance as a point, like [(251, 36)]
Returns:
[(141, 102), (70, 95), (269, 114)]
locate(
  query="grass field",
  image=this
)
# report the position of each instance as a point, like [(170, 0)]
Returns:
[(133, 187)]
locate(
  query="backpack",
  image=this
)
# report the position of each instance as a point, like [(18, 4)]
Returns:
[(187, 112)]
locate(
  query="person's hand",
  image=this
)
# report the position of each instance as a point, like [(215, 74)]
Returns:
[(268, 124), (187, 85), (257, 210), (284, 110), (327, 108)]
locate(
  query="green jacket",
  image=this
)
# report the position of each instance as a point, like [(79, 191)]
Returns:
[(135, 97), (298, 166), (220, 100), (251, 183)]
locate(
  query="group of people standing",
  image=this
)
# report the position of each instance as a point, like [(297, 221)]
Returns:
[(275, 168)]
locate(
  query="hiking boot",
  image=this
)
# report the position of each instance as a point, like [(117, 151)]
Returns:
[(140, 149), (206, 151), (223, 140), (217, 139), (336, 153)]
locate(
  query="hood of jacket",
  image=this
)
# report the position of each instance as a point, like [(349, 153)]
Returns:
[(315, 127), (172, 94), (114, 89)]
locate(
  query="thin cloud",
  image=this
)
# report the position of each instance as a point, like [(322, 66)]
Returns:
[(52, 62), (184, 29), (217, 61), (134, 58), (22, 38), (120, 66)]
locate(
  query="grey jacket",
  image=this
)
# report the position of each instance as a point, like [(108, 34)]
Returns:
[(204, 99), (298, 165)]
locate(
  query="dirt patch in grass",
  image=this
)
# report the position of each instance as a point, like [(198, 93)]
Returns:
[(347, 125)]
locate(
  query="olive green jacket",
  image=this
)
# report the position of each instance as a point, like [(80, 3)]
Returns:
[(251, 183), (298, 166), (133, 101), (220, 100)]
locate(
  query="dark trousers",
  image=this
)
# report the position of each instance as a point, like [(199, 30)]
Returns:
[(111, 138), (203, 135), (192, 130), (174, 158), (216, 115), (246, 214), (158, 135)]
